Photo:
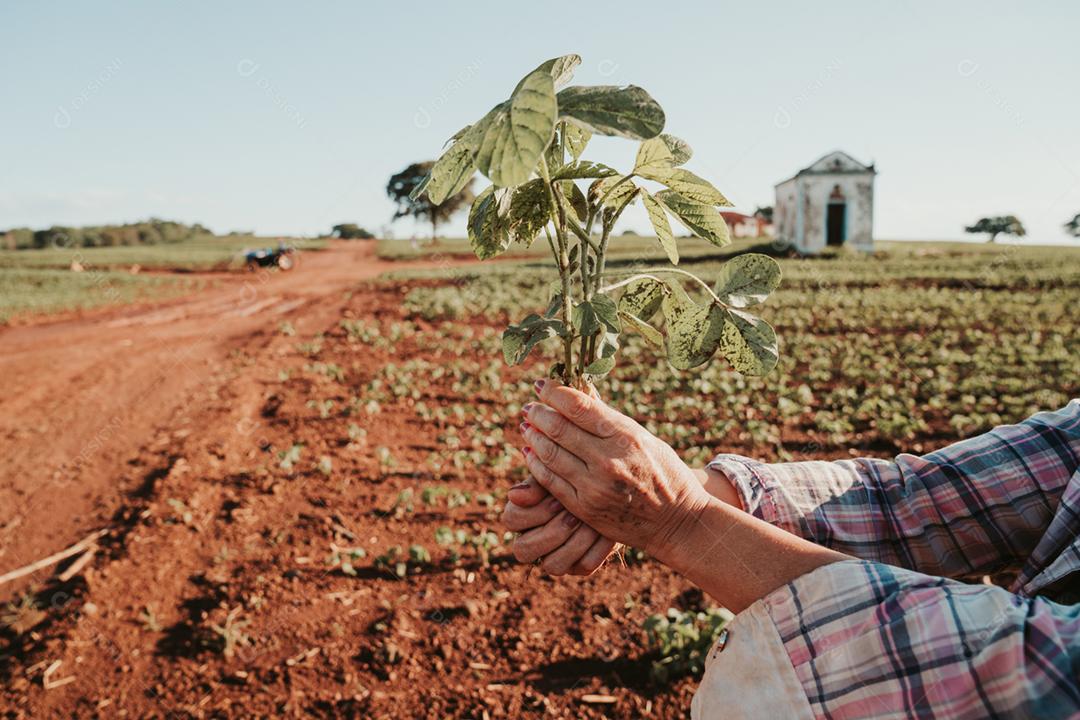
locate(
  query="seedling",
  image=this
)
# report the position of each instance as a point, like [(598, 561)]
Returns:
[(231, 633), (323, 406), (181, 510), (290, 457), (531, 148), (23, 616), (343, 558), (149, 620), (398, 561), (683, 640), (482, 543)]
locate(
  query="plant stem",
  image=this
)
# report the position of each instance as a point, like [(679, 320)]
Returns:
[(620, 181), (563, 261), (605, 237), (581, 233)]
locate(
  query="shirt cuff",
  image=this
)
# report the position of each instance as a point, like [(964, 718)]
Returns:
[(752, 482)]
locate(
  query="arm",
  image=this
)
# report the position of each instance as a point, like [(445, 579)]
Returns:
[(610, 473), (862, 639), (978, 506)]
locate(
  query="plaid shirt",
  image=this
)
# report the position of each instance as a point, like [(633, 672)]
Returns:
[(887, 636)]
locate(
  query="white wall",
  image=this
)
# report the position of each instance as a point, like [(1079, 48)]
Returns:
[(785, 213), (802, 204)]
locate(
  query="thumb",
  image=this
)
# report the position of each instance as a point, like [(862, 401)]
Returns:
[(526, 494), (563, 491)]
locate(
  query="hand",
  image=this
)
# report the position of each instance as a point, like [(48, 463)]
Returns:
[(549, 531), (608, 471)]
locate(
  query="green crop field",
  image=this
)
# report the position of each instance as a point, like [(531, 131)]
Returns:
[(909, 348), (39, 281), (623, 246)]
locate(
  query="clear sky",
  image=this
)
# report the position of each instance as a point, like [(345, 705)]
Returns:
[(290, 117)]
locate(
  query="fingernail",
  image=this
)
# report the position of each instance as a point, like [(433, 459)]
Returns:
[(570, 521), (527, 408), (521, 486), (523, 427), (526, 450), (539, 386), (554, 505)]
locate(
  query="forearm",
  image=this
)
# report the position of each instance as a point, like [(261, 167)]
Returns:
[(908, 511), (737, 558), (718, 485)]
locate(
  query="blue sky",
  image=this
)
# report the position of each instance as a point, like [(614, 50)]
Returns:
[(290, 117)]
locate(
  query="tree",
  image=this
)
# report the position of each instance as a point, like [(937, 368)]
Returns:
[(765, 213), (350, 231), (1073, 226), (998, 225), (402, 185)]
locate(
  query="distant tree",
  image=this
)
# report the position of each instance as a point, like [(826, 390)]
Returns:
[(402, 184), (1073, 226), (350, 231), (765, 213), (998, 225)]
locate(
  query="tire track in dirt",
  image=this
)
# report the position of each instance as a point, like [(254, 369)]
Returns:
[(81, 396)]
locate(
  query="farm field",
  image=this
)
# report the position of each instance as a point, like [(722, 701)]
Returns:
[(39, 281), (334, 481)]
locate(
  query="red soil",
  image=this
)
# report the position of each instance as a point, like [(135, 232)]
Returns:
[(163, 424)]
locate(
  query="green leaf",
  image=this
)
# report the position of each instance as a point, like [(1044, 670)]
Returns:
[(610, 110), (574, 200), (561, 69), (679, 148), (606, 348), (702, 220), (623, 191), (575, 138), (555, 154), (651, 334), (689, 185), (554, 305), (458, 135), (487, 230), (693, 332), (661, 154), (519, 340), (661, 226), (591, 316), (653, 155), (749, 343), (518, 133), (420, 187), (600, 366), (451, 172), (747, 280), (583, 169), (642, 298), (529, 211)]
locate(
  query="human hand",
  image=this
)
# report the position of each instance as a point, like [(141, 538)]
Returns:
[(548, 531), (608, 471)]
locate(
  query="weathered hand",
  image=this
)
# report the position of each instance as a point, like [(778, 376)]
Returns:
[(608, 471), (548, 531)]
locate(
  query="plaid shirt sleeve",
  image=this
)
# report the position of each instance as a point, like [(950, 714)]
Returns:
[(978, 506), (866, 640)]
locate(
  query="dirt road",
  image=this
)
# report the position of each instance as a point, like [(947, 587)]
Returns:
[(81, 396)]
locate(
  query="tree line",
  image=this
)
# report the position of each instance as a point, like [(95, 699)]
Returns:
[(148, 232)]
